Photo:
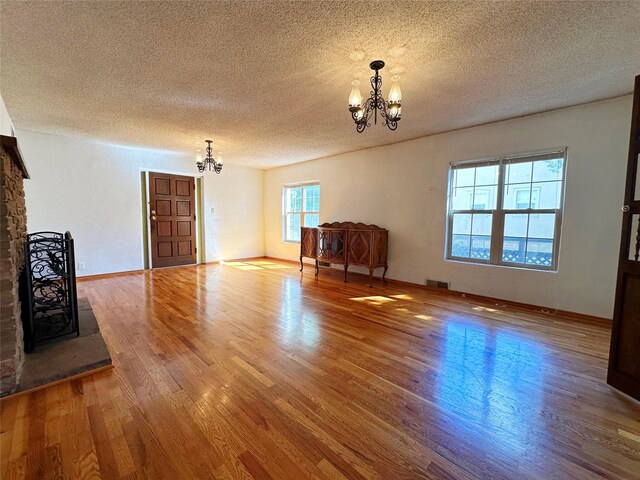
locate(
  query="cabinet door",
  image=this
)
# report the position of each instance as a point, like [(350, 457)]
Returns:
[(359, 251), (337, 246), (324, 245), (379, 245), (331, 245), (309, 242)]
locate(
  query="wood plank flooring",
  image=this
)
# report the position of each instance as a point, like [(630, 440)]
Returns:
[(252, 370)]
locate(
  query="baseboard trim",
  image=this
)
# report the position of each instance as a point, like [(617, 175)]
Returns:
[(105, 275), (244, 259)]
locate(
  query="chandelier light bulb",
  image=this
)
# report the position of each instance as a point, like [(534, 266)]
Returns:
[(395, 95), (355, 98), (394, 111)]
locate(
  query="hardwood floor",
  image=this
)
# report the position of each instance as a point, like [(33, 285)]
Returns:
[(250, 370)]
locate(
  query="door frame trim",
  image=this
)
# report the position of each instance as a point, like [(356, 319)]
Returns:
[(146, 225)]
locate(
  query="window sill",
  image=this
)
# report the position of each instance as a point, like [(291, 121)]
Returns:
[(510, 267)]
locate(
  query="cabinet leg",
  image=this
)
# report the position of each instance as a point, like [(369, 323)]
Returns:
[(317, 267), (371, 277), (345, 271), (301, 265), (384, 274)]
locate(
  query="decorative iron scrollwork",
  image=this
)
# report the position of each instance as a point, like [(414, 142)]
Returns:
[(50, 306)]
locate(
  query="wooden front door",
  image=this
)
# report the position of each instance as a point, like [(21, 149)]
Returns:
[(173, 220), (624, 355)]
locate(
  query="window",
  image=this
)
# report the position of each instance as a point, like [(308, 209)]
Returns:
[(301, 208), (507, 211)]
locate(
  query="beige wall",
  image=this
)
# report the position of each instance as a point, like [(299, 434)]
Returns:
[(403, 187), (93, 190)]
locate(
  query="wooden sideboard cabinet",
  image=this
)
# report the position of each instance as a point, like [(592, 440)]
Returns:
[(346, 243)]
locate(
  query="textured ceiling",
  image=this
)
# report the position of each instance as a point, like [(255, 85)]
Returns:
[(268, 81)]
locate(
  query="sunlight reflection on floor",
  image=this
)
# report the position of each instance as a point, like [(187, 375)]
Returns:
[(402, 296), (373, 300), (256, 265)]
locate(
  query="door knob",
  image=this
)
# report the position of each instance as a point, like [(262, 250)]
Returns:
[(625, 209), (153, 212), (153, 217)]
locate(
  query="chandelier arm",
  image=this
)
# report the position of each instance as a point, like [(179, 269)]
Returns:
[(367, 109), (391, 124)]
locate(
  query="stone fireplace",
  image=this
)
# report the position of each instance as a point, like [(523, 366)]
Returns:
[(13, 232)]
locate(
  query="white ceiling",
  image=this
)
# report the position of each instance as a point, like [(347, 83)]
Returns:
[(268, 81)]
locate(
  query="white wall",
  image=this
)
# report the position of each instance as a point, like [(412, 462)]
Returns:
[(236, 227), (6, 125), (93, 190), (403, 187)]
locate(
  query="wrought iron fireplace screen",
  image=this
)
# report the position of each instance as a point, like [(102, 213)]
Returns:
[(50, 306)]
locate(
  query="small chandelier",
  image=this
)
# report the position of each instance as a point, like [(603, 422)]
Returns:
[(208, 163), (389, 111)]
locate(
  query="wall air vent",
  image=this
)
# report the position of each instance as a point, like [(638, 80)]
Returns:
[(437, 284)]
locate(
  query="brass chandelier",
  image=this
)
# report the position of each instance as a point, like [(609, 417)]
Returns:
[(208, 163), (389, 111)]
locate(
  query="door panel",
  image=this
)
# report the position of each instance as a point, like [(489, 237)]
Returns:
[(624, 355), (636, 195), (629, 328), (184, 228), (634, 238), (183, 188), (172, 217)]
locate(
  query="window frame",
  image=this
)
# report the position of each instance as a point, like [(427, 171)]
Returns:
[(302, 212), (499, 213)]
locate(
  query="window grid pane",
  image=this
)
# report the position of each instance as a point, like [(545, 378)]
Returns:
[(460, 246), (311, 220), (293, 227), (481, 247)]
